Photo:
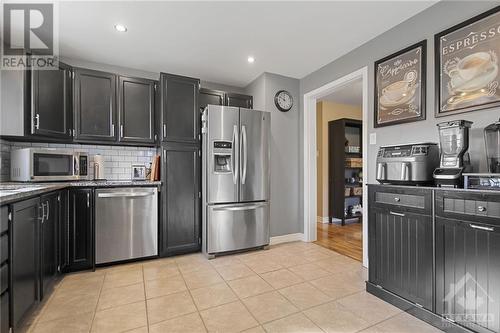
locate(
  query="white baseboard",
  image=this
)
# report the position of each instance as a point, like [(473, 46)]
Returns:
[(286, 238), (323, 219)]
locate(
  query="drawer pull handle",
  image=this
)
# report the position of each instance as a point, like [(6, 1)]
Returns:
[(473, 226), (397, 199), (396, 214), (481, 208)]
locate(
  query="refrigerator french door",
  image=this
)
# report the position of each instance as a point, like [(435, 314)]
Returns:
[(235, 179)]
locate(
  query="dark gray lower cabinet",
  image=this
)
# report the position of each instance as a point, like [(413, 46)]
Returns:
[(181, 223), (401, 254), (468, 273), (25, 257), (4, 313), (48, 241), (81, 229), (63, 232)]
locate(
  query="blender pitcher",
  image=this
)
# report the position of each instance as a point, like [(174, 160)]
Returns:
[(492, 140)]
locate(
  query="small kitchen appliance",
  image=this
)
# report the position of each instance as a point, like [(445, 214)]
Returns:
[(98, 167), (235, 179), (407, 164), (492, 141), (455, 160), (47, 164)]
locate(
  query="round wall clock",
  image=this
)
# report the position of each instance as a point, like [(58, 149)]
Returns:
[(283, 100)]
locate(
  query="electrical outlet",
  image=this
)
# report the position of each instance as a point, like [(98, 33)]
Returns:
[(373, 138)]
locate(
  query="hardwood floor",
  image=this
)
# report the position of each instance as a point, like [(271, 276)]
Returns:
[(346, 240)]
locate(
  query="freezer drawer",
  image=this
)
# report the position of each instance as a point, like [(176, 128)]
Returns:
[(237, 226)]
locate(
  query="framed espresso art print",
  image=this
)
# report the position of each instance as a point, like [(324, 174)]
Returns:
[(467, 60), (400, 86)]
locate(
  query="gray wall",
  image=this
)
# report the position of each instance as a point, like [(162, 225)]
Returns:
[(284, 153), (424, 25)]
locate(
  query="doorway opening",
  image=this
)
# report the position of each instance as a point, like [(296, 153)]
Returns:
[(345, 103), (339, 176)]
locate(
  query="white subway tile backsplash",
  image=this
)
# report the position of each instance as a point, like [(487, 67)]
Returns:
[(118, 159)]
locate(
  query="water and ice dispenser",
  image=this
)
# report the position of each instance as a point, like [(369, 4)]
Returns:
[(223, 157)]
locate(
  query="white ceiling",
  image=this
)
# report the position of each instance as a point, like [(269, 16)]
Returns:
[(351, 94), (212, 40)]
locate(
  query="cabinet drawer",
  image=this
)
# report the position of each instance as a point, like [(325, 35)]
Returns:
[(4, 219), (4, 277), (403, 198), (469, 206), (4, 248)]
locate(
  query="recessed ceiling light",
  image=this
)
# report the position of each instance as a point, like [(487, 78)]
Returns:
[(251, 59), (120, 27)]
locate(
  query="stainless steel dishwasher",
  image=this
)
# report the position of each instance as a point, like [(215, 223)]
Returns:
[(126, 223)]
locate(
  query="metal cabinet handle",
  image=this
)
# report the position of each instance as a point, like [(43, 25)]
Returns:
[(112, 129), (37, 121), (88, 200), (164, 156), (164, 130), (396, 214), (481, 208), (397, 199), (474, 226), (121, 131), (48, 211)]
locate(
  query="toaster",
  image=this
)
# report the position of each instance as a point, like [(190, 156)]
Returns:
[(407, 164)]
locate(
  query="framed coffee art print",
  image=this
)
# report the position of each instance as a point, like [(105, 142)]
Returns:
[(467, 60), (400, 86)]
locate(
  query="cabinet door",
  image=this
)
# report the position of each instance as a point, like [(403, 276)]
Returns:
[(51, 102), (136, 105), (401, 254), (209, 96), (180, 110), (468, 273), (25, 258), (239, 100), (81, 230), (94, 104), (180, 227), (48, 241), (63, 231)]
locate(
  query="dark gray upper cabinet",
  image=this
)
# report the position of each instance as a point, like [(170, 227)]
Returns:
[(239, 100), (180, 224), (25, 257), (136, 106), (51, 103), (210, 96), (94, 105), (48, 241), (180, 109)]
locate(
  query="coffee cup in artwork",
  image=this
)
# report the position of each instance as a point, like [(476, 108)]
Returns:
[(472, 66), (397, 90)]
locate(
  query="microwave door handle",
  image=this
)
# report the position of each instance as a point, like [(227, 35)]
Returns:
[(235, 143)]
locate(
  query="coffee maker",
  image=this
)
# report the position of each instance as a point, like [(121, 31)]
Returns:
[(454, 159)]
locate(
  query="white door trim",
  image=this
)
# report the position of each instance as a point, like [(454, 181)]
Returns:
[(310, 170)]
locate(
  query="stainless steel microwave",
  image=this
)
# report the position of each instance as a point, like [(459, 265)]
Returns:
[(47, 164)]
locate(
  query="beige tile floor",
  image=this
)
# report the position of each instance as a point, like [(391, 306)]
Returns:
[(294, 287)]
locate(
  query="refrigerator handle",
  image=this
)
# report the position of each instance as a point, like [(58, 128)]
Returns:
[(244, 145), (234, 157)]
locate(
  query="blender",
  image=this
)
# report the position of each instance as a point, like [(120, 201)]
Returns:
[(492, 140), (454, 160)]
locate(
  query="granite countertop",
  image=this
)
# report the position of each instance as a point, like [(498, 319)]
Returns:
[(14, 191), (430, 187)]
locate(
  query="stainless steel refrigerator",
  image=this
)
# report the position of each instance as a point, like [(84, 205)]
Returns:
[(235, 179)]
